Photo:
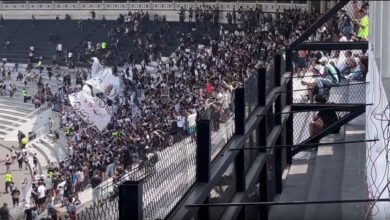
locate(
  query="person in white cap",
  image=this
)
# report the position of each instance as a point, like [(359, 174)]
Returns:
[(323, 84)]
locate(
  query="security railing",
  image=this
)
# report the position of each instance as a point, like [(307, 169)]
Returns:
[(168, 175)]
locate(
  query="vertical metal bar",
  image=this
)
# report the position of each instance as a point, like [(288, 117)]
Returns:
[(289, 101), (289, 138), (278, 166), (240, 171), (130, 200), (263, 193), (262, 135), (289, 60), (261, 86), (278, 110), (204, 212), (277, 69), (203, 151), (239, 118)]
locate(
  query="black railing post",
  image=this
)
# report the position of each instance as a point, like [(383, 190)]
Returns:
[(263, 193), (239, 118), (204, 212), (240, 171), (278, 110), (203, 151), (289, 101), (278, 165), (261, 86), (262, 133), (277, 69), (130, 200), (289, 65)]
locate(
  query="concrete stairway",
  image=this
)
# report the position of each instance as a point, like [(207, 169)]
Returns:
[(333, 172)]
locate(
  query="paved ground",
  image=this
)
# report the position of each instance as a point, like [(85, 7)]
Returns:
[(17, 176)]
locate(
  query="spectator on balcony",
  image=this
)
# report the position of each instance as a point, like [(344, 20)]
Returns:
[(353, 69), (329, 78), (323, 119), (363, 25)]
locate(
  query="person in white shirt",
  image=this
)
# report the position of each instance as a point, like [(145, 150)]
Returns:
[(41, 191)]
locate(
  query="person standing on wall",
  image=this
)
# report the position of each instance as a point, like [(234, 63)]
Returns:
[(93, 15)]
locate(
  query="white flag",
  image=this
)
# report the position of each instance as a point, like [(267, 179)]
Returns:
[(92, 110), (96, 67), (106, 83)]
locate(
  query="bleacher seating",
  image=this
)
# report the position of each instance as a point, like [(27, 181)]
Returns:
[(22, 35)]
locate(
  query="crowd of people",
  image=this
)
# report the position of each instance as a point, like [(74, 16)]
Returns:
[(160, 95)]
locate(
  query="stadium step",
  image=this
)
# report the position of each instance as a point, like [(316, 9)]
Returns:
[(43, 161), (58, 148)]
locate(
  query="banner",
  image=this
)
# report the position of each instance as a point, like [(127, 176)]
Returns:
[(92, 110), (105, 82)]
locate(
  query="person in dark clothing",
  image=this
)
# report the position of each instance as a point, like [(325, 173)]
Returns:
[(95, 181), (323, 118), (4, 212)]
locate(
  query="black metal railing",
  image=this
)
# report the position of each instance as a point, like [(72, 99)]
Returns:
[(168, 175), (173, 176)]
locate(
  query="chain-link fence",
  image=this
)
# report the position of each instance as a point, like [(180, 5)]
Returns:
[(106, 210), (252, 212), (308, 124), (270, 79), (222, 192), (349, 24), (337, 76), (173, 176), (251, 95), (221, 116)]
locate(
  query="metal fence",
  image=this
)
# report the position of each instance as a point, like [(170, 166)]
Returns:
[(251, 95), (107, 210), (221, 116), (173, 175), (344, 25), (105, 197), (253, 195), (313, 66), (270, 79), (302, 121), (223, 192)]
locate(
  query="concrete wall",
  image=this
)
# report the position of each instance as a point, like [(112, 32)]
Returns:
[(111, 10), (378, 115)]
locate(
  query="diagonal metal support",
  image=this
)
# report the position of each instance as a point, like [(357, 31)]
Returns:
[(355, 112)]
